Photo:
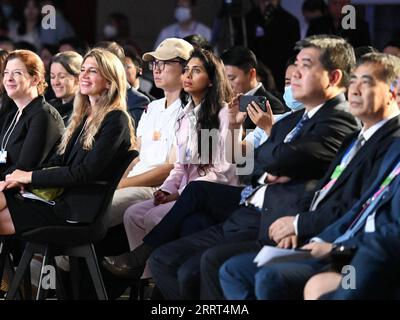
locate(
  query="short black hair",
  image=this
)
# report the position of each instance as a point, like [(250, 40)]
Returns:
[(240, 57), (79, 45), (131, 52)]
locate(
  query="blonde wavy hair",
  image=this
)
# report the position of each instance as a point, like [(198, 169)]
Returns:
[(111, 68)]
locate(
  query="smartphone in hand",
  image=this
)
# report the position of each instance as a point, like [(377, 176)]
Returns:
[(244, 101)]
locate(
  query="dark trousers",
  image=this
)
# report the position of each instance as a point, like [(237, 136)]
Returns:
[(212, 200), (241, 279), (175, 266), (211, 262)]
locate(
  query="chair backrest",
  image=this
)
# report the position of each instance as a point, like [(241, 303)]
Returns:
[(82, 234), (100, 226)]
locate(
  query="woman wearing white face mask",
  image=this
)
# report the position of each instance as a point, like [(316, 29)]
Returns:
[(186, 23)]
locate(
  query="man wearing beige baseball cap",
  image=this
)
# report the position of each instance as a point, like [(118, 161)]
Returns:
[(156, 129)]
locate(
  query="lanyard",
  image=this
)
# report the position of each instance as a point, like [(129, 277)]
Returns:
[(10, 130)]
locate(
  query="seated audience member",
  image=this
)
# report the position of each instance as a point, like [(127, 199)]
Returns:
[(240, 67), (99, 135), (31, 130), (373, 101), (156, 129), (258, 136), (134, 71), (373, 216), (205, 82), (294, 143), (64, 79), (186, 23)]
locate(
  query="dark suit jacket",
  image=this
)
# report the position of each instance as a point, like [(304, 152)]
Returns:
[(34, 137), (310, 154), (359, 175), (79, 168), (137, 103), (275, 45), (387, 219), (65, 109), (304, 160), (276, 105)]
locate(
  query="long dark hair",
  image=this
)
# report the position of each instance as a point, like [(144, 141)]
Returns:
[(217, 94)]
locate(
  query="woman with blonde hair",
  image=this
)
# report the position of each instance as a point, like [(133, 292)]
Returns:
[(93, 146)]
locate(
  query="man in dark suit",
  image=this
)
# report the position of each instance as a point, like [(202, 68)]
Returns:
[(332, 23), (240, 68), (373, 100), (295, 142), (351, 173), (136, 102), (265, 24)]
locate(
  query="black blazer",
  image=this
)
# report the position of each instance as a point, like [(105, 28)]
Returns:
[(65, 109), (79, 169), (276, 105), (34, 137), (304, 160), (308, 156), (352, 183)]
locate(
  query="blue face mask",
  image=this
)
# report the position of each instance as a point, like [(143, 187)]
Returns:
[(293, 104)]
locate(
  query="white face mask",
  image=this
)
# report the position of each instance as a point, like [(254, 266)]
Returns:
[(110, 31), (183, 14)]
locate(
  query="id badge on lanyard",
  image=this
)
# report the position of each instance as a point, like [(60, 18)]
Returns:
[(3, 156)]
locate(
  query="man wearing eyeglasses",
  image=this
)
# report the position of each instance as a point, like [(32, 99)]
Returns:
[(156, 129)]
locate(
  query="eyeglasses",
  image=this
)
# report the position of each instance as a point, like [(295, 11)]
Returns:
[(15, 74), (160, 64)]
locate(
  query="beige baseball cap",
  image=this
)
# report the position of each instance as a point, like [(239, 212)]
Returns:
[(169, 49)]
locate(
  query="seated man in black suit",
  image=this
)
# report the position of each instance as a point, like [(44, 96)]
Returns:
[(305, 139), (373, 100), (240, 68), (375, 215), (351, 173)]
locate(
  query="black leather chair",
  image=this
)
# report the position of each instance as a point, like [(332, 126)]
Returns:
[(72, 241)]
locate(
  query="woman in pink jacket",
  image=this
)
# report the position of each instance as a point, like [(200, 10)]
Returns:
[(201, 132)]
